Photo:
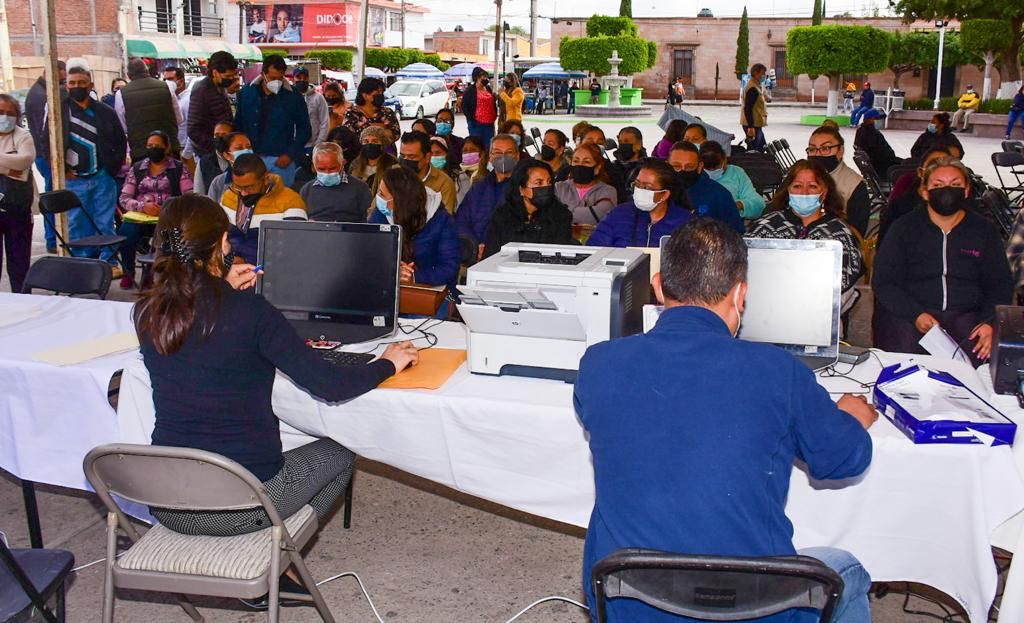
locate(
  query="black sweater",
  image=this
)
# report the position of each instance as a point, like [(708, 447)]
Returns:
[(550, 225), (919, 269), (214, 393)]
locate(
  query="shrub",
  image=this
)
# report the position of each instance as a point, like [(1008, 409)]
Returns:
[(608, 26), (332, 59), (272, 51), (592, 54)]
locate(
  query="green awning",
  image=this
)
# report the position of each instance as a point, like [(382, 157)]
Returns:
[(245, 51), (156, 48), (189, 47)]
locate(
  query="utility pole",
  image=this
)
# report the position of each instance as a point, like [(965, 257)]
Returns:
[(54, 105), (7, 77), (533, 27), (403, 24), (364, 27), (497, 37), (938, 68)]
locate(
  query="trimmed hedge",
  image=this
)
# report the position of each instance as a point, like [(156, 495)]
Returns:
[(332, 59), (271, 51), (836, 49), (592, 54), (605, 25), (949, 104), (393, 59)]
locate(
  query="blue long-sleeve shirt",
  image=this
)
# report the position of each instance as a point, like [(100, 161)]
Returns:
[(692, 456), (474, 214), (628, 226), (709, 198), (867, 98), (436, 249), (276, 124)]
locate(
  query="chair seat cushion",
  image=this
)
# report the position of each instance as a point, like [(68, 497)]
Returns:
[(45, 568), (236, 557), (97, 241)]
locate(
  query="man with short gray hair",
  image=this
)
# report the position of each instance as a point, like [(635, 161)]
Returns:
[(334, 195)]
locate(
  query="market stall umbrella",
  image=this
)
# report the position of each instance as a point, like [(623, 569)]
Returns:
[(419, 70), (465, 70), (552, 71), (373, 72)]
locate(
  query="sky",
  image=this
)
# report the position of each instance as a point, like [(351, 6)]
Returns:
[(443, 14)]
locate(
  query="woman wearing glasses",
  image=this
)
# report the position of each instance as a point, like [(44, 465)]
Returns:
[(826, 147)]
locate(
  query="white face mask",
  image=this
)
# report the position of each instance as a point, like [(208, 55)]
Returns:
[(7, 124), (274, 86), (644, 199), (172, 84)]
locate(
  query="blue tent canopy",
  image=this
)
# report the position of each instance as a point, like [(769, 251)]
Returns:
[(552, 71), (464, 70), (419, 70)]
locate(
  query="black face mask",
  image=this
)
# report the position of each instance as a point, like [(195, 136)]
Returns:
[(543, 196), (547, 153), (372, 151), (947, 200), (485, 83), (412, 165), (302, 85), (225, 82), (220, 144), (156, 154), (828, 162), (250, 201), (79, 94), (625, 151), (331, 101), (686, 179), (378, 100), (582, 174)]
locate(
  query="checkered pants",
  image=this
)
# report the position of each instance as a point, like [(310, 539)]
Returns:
[(315, 474)]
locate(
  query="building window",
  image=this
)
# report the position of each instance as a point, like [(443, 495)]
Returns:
[(682, 65), (394, 21), (782, 76)]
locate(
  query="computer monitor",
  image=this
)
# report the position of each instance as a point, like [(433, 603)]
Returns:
[(793, 297), (333, 281)]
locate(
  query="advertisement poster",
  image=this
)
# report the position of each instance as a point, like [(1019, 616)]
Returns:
[(298, 23)]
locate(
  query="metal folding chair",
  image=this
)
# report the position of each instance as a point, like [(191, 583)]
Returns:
[(1013, 146), (162, 560), (787, 152), (715, 588), (997, 208), (58, 201), (29, 578), (1012, 165), (69, 275)]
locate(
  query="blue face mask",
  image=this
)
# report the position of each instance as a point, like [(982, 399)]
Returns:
[(382, 207), (804, 205), (715, 174), (240, 152), (932, 128), (518, 139), (328, 179), (444, 128), (439, 162), (7, 123)]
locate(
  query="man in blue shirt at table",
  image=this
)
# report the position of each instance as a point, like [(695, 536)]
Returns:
[(694, 433)]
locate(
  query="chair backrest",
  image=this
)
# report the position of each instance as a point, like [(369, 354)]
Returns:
[(897, 171), (57, 201), (174, 478), (1017, 146), (997, 208), (1007, 159), (715, 588), (69, 275)]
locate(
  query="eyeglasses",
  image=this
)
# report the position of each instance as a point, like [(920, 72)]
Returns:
[(823, 150), (248, 190)]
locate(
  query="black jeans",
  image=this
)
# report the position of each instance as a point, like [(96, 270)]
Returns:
[(16, 238), (896, 335)]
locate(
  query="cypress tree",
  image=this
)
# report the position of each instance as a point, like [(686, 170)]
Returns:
[(625, 8), (816, 16), (743, 46)]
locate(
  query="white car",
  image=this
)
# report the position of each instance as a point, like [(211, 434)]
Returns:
[(421, 98)]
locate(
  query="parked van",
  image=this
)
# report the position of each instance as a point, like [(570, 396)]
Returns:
[(421, 98)]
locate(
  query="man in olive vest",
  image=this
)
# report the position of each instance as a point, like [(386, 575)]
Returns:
[(144, 105), (754, 112)]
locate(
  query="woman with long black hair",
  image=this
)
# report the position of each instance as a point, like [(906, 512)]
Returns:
[(531, 211)]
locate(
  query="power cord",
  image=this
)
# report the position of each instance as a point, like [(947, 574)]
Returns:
[(361, 587), (546, 599)]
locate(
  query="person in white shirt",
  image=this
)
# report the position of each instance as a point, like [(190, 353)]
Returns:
[(319, 114), (17, 151), (175, 79)]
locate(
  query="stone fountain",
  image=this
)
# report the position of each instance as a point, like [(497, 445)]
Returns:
[(613, 82)]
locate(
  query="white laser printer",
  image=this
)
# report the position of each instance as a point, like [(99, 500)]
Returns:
[(533, 309)]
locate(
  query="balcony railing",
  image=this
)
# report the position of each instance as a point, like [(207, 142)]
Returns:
[(195, 25)]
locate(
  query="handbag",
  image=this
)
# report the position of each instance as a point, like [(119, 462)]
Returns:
[(15, 196), (421, 300)]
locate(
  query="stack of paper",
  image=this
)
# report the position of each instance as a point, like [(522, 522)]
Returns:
[(91, 349)]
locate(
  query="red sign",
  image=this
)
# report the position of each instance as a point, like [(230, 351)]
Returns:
[(333, 23)]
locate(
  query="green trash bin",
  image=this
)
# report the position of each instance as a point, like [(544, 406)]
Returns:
[(582, 97), (603, 99), (631, 97)]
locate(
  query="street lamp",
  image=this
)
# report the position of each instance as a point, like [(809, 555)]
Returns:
[(941, 25), (504, 47)]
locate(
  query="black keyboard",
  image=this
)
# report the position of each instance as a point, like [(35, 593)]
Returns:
[(345, 358)]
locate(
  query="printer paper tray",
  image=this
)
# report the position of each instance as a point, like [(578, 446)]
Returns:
[(540, 323)]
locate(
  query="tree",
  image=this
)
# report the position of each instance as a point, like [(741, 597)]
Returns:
[(912, 51), (512, 30), (836, 50), (626, 8), (985, 37), (743, 46), (1010, 11), (606, 34), (332, 59), (816, 15)]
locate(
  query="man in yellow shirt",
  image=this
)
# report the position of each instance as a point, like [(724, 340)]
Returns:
[(967, 105)]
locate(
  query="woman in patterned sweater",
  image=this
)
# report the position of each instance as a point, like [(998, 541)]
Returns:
[(808, 207)]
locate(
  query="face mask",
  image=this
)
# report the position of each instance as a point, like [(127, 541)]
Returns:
[(932, 128), (518, 139), (382, 207), (547, 153), (225, 82), (439, 162), (470, 159), (687, 179), (503, 164), (804, 205), (947, 200), (625, 151), (274, 86), (7, 124), (644, 199), (444, 128), (156, 154), (172, 84), (328, 179), (485, 83), (715, 174), (543, 196), (378, 100), (79, 94), (333, 101), (582, 174), (250, 201), (372, 151), (302, 86), (240, 152), (412, 165), (828, 162)]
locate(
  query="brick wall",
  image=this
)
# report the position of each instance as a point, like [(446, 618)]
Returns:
[(83, 27)]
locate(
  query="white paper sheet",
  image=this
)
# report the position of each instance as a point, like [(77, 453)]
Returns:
[(937, 342), (88, 350), (13, 313)]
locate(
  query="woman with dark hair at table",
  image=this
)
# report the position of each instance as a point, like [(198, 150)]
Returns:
[(531, 212), (212, 350)]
